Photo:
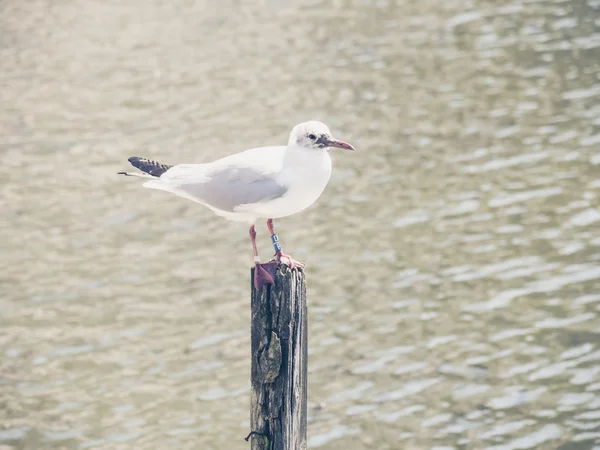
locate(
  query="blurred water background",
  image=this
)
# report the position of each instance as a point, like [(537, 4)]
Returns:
[(453, 261)]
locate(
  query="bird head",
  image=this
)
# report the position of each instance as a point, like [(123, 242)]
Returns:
[(315, 136)]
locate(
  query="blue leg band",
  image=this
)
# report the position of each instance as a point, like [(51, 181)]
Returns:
[(276, 244)]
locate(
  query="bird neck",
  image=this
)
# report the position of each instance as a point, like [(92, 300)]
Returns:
[(312, 167), (300, 156)]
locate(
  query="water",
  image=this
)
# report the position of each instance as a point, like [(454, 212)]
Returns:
[(453, 262)]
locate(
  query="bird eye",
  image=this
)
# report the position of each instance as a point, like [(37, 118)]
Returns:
[(312, 137)]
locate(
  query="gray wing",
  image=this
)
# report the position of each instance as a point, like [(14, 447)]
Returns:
[(228, 188)]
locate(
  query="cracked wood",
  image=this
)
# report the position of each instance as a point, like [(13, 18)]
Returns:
[(279, 361)]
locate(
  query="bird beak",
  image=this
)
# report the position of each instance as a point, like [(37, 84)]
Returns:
[(338, 144)]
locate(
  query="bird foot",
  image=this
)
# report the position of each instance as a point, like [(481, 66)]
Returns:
[(264, 274), (288, 261)]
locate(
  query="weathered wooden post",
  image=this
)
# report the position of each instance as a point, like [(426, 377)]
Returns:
[(279, 360)]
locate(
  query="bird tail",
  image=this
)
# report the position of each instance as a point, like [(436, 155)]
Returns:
[(136, 174), (152, 169)]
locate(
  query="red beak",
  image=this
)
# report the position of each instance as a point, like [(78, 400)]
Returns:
[(338, 144)]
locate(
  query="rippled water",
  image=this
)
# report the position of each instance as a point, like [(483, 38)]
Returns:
[(453, 262)]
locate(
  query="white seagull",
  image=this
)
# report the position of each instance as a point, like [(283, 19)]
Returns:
[(260, 183)]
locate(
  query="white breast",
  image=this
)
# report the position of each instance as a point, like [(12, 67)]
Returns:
[(305, 173)]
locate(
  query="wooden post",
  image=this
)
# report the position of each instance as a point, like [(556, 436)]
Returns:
[(279, 359)]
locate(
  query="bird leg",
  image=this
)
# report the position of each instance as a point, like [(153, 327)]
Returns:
[(262, 276), (279, 255)]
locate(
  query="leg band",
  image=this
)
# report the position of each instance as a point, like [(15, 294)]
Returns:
[(276, 244)]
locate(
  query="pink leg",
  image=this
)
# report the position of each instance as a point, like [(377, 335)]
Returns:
[(279, 255), (261, 276)]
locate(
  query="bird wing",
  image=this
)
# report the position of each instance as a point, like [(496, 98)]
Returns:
[(240, 179)]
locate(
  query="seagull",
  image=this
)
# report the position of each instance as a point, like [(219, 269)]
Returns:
[(260, 183)]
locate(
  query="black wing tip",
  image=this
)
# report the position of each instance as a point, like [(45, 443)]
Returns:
[(153, 168)]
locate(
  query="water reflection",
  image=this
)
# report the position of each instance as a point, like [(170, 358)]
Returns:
[(453, 262)]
